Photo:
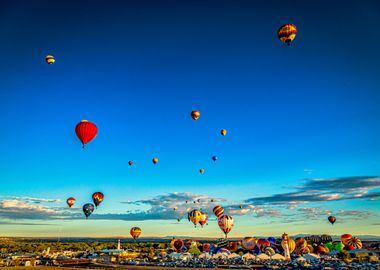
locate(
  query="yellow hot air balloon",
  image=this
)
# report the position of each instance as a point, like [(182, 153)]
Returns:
[(195, 216), (291, 244), (223, 132), (287, 33), (195, 115), (50, 59), (155, 160)]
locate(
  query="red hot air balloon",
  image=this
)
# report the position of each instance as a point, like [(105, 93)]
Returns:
[(135, 232), (226, 223), (204, 218), (97, 197), (70, 201), (178, 244), (86, 131)]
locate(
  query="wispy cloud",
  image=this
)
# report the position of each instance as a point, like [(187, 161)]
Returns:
[(34, 200)]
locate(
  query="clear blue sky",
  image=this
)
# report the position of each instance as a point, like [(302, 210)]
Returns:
[(138, 68)]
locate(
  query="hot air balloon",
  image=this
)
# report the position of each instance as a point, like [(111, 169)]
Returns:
[(331, 219), (204, 218), (263, 243), (88, 208), (177, 244), (199, 200), (226, 223), (241, 207), (49, 59), (345, 237), (195, 216), (97, 197), (195, 115), (212, 200), (70, 201), (135, 232), (155, 160), (130, 163), (218, 211), (178, 219), (223, 132), (249, 243), (214, 158), (354, 242), (291, 244), (202, 171), (287, 33), (232, 246), (86, 131)]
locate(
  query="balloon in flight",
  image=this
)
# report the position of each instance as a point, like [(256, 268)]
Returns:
[(194, 216), (214, 158), (135, 232), (223, 132), (70, 201), (226, 224), (195, 115), (130, 163), (88, 208), (287, 33), (332, 219), (202, 171), (49, 59), (86, 131), (155, 160), (204, 218), (218, 211), (97, 197)]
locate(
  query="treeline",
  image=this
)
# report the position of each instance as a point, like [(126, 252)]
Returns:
[(38, 247)]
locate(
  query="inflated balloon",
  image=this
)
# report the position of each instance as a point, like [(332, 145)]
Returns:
[(287, 33), (355, 242), (88, 208), (269, 251), (321, 249), (195, 115), (204, 218), (232, 246), (291, 244), (70, 201), (135, 232), (178, 244), (263, 243), (214, 158), (331, 219), (272, 240), (338, 246), (194, 216), (218, 211), (301, 243), (202, 171), (86, 131), (345, 237), (49, 59), (97, 197), (223, 132), (226, 223), (248, 243), (155, 160), (326, 238), (206, 247), (130, 163), (222, 242), (329, 245)]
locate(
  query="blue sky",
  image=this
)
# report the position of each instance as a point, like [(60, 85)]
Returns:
[(138, 68)]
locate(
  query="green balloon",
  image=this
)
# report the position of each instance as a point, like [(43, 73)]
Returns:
[(329, 245), (338, 246)]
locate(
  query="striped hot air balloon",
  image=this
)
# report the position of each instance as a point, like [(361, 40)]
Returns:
[(135, 232), (218, 211), (226, 223), (86, 131), (194, 216), (49, 59), (249, 243), (355, 242), (287, 33), (345, 237)]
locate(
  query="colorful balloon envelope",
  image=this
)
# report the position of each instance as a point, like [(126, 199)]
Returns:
[(249, 243), (88, 208), (195, 115), (223, 132), (70, 201), (287, 33), (155, 160), (218, 211), (345, 237), (97, 197), (130, 163), (226, 223), (291, 244), (86, 131), (355, 242), (331, 219), (177, 244), (194, 216), (135, 232), (263, 243), (49, 59), (204, 218)]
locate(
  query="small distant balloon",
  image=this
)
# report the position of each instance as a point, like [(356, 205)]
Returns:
[(223, 132), (201, 171), (214, 158), (332, 219), (195, 115), (287, 33), (97, 197), (130, 163), (70, 201), (155, 160), (49, 59)]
